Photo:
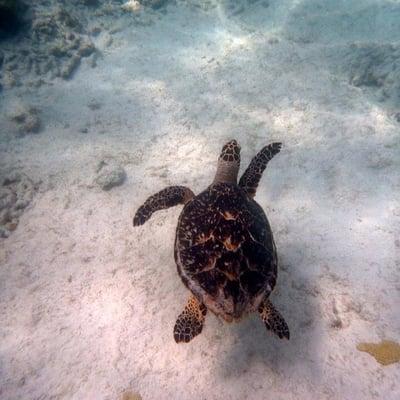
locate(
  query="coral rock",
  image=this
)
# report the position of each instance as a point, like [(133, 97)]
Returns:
[(110, 174), (26, 119)]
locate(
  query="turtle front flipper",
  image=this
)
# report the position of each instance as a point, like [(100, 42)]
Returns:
[(168, 197), (190, 322), (251, 177), (273, 320)]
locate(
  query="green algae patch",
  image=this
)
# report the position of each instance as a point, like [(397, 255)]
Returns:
[(386, 352)]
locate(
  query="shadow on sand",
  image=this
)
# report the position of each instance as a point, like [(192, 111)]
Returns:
[(253, 344)]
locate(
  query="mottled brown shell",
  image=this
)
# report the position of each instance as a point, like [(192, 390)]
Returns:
[(225, 251)]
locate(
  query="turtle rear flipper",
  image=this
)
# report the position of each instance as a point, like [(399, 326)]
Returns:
[(251, 177), (168, 197), (273, 320), (190, 322)]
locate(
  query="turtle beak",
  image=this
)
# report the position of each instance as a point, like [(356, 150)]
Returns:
[(235, 144)]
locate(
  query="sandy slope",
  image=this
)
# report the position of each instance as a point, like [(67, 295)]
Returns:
[(88, 303)]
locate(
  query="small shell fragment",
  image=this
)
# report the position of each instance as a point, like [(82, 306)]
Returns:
[(386, 352), (129, 395)]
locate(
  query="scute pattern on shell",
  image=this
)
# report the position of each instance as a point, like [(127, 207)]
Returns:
[(225, 250)]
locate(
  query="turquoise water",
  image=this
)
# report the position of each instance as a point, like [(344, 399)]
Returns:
[(104, 103)]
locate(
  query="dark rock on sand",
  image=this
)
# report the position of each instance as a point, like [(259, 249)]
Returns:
[(16, 193), (26, 119), (11, 17), (109, 174)]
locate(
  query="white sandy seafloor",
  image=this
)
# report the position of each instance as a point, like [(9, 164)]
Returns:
[(88, 303)]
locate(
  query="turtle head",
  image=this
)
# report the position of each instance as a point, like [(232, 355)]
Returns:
[(228, 163)]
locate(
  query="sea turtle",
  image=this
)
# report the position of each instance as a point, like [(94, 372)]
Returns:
[(224, 248)]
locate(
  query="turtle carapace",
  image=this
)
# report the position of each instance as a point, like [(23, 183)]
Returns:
[(224, 248)]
